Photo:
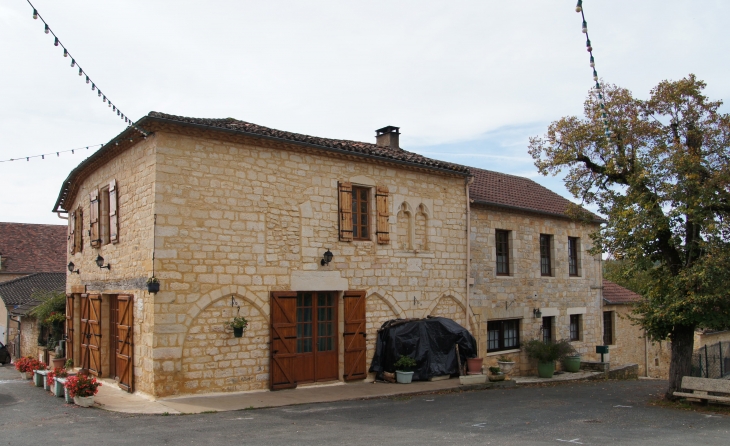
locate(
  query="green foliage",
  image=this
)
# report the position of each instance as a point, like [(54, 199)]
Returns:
[(549, 351), (662, 182), (405, 364), (238, 322), (494, 370), (504, 358), (52, 302)]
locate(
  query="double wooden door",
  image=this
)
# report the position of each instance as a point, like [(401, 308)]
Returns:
[(304, 337), (91, 333)]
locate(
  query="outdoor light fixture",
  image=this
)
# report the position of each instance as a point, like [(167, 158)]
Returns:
[(537, 313), (71, 267), (100, 262), (326, 258)]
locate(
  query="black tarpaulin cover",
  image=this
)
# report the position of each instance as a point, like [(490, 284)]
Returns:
[(429, 341)]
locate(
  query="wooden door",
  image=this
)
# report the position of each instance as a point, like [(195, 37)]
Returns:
[(91, 333), (316, 336), (283, 339), (354, 335), (113, 341), (124, 338), (69, 326)]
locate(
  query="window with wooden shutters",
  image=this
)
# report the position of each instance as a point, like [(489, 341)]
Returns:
[(345, 211), (71, 232), (94, 218), (381, 199), (361, 213), (113, 209)]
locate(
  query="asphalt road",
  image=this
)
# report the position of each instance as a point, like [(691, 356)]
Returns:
[(590, 413)]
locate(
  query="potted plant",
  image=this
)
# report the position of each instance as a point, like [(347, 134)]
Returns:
[(495, 374), (23, 366), (82, 389), (238, 324), (571, 363), (153, 285), (474, 366), (54, 383), (506, 364), (546, 353), (404, 369), (39, 371)]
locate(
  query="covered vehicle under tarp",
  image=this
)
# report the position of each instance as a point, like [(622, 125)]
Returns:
[(431, 342)]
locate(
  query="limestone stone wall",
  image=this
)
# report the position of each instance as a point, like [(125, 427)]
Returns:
[(378, 311), (130, 259), (252, 217), (517, 296)]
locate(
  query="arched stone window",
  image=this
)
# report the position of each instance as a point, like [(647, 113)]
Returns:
[(421, 228), (404, 218)]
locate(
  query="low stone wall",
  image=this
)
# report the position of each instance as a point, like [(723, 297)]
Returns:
[(627, 371), (596, 366)]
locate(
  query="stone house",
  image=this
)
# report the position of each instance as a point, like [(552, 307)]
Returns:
[(533, 276), (27, 249), (315, 241), (627, 341)]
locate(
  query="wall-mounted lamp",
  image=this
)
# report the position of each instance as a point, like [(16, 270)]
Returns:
[(537, 313), (100, 262), (326, 258), (71, 267)]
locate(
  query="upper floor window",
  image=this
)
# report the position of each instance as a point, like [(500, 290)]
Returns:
[(103, 221), (573, 247), (502, 245), (360, 213), (545, 257), (354, 211)]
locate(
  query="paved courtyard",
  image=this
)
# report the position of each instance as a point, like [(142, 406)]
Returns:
[(613, 412)]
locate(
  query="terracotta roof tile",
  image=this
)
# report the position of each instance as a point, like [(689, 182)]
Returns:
[(500, 189), (615, 294), (28, 248), (19, 291)]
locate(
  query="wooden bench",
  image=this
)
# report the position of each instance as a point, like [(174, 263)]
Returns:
[(701, 386)]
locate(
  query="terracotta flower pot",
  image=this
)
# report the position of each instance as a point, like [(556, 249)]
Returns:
[(474, 366)]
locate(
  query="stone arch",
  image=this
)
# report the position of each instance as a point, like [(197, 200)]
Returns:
[(213, 360), (420, 230), (451, 306), (404, 220), (378, 309)]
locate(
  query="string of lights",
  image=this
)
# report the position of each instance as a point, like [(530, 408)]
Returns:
[(592, 61), (44, 155), (82, 72)]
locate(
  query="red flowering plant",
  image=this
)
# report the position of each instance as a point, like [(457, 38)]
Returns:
[(29, 364), (57, 372), (82, 386)]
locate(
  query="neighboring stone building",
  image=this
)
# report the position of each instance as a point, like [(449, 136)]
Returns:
[(533, 275), (27, 249), (20, 296), (235, 218), (628, 343)]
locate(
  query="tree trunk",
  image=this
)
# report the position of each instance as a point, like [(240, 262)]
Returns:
[(682, 338)]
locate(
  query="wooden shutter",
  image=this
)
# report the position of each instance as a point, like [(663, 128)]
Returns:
[(381, 200), (91, 333), (125, 346), (69, 326), (79, 230), (71, 232), (113, 220), (94, 219), (355, 335), (345, 212), (283, 339)]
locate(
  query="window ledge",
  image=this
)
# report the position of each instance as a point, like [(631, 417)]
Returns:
[(504, 352)]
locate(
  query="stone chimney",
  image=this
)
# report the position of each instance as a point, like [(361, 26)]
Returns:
[(387, 137)]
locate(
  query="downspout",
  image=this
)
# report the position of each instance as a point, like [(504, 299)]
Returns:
[(62, 218), (646, 354), (468, 254)]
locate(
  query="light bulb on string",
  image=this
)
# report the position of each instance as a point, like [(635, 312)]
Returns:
[(81, 72), (99, 93), (35, 14), (73, 62), (55, 42), (47, 29), (593, 62), (65, 52), (589, 48), (87, 77), (58, 154), (43, 157), (584, 28), (72, 152), (93, 85), (595, 75), (104, 100), (579, 6)]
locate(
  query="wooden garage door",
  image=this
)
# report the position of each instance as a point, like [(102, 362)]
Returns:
[(354, 335), (283, 339), (69, 326), (125, 346), (91, 333)]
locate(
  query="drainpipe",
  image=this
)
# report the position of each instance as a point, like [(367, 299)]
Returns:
[(646, 354), (62, 218), (468, 253)]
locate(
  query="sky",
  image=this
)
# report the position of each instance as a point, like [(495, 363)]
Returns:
[(466, 81)]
